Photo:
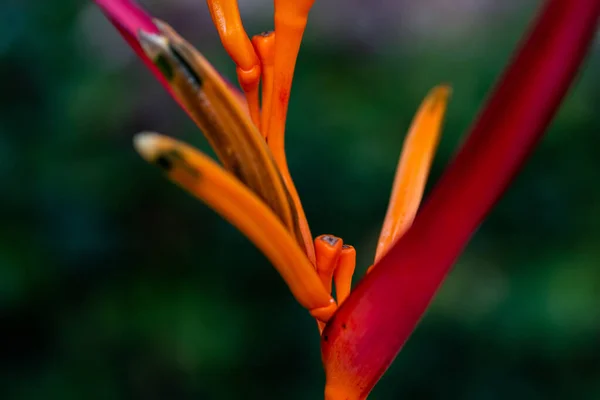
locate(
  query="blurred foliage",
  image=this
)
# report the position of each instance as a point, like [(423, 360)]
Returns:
[(115, 284)]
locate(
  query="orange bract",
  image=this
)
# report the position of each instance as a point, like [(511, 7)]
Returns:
[(211, 104)]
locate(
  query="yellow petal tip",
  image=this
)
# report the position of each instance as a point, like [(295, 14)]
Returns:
[(439, 95)]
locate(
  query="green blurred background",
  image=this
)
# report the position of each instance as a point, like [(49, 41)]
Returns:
[(115, 284)]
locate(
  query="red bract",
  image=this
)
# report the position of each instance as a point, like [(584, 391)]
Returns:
[(129, 19), (367, 332)]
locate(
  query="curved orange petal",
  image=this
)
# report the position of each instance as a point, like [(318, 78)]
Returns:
[(413, 168), (219, 189)]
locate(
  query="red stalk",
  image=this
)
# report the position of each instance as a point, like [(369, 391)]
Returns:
[(368, 331)]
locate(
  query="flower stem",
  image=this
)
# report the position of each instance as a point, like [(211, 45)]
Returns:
[(363, 338)]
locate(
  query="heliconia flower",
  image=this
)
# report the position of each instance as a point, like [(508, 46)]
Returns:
[(253, 189)]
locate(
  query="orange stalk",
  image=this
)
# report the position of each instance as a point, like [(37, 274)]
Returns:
[(220, 190), (343, 273), (413, 168), (290, 22), (226, 17), (264, 45)]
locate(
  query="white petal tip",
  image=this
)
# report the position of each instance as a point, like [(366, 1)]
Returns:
[(146, 144)]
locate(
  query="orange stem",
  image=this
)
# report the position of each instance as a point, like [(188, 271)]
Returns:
[(343, 273), (226, 17), (264, 45), (290, 22), (327, 250)]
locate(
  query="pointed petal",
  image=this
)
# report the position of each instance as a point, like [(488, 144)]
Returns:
[(128, 18), (220, 190), (413, 168), (127, 15), (369, 329)]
